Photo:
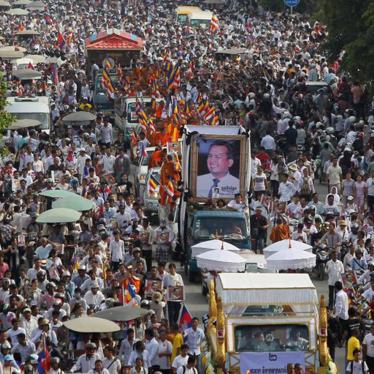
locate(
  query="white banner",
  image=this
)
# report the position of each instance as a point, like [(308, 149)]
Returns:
[(270, 362)]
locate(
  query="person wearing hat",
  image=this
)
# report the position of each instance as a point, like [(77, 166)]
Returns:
[(28, 322), (81, 277), (42, 331), (157, 305), (24, 348), (86, 361), (10, 365), (94, 297)]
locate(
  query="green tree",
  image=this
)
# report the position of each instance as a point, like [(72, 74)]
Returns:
[(350, 26), (6, 119)]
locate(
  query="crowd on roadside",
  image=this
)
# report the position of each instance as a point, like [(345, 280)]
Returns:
[(303, 136)]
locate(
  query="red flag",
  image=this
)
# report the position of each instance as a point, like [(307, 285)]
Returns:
[(60, 40), (185, 318)]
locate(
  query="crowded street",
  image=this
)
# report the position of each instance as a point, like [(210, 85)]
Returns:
[(185, 188)]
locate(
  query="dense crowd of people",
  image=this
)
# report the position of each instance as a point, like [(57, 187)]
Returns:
[(306, 137)]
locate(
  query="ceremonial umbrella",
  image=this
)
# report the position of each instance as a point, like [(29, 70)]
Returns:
[(17, 12), (91, 325), (59, 215), (27, 33), (221, 260), (209, 245), (291, 258), (79, 117), (54, 194), (286, 244), (27, 74), (76, 202), (122, 313), (24, 124), (22, 2)]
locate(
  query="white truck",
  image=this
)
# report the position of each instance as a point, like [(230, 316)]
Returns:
[(36, 108), (205, 149)]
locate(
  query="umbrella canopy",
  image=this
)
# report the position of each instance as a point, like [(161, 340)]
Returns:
[(286, 244), (27, 33), (291, 258), (59, 215), (220, 260), (24, 124), (78, 203), (22, 2), (79, 117), (23, 61), (55, 194), (10, 55), (91, 325), (4, 4), (17, 12), (122, 313), (13, 48), (37, 59), (26, 74), (209, 245), (35, 5)]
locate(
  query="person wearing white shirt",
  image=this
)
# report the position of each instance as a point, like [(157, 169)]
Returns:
[(110, 361), (106, 133), (140, 351), (108, 162), (334, 270), (164, 351), (180, 360), (268, 143), (117, 251), (190, 368), (194, 336), (341, 309), (94, 297), (173, 279), (123, 218), (28, 322), (87, 361), (151, 345), (368, 349), (286, 189), (369, 293), (255, 163), (127, 346)]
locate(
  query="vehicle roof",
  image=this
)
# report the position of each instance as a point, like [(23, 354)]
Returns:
[(186, 9), (315, 83), (280, 288), (214, 130), (202, 14), (218, 213), (41, 106)]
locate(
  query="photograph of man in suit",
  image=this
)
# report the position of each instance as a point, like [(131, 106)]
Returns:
[(218, 182)]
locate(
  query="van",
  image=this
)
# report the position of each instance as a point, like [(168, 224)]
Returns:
[(200, 19), (184, 10), (37, 108)]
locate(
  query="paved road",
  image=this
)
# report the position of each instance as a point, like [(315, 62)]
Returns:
[(198, 306)]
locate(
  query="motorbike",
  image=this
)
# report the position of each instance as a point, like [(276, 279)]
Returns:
[(322, 256)]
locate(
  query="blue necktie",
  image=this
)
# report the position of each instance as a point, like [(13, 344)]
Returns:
[(215, 184)]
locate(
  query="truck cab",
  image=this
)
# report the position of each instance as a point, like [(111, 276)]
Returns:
[(37, 108), (125, 112), (228, 225)]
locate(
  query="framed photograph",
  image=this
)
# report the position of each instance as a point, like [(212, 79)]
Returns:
[(152, 286), (175, 293), (174, 147), (217, 167)]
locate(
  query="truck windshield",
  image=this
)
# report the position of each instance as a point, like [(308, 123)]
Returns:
[(271, 338), (233, 229), (131, 111)]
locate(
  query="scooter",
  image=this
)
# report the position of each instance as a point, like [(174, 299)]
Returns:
[(322, 256)]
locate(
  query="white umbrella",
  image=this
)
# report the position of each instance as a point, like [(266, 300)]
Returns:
[(221, 260), (286, 244), (209, 245), (291, 258)]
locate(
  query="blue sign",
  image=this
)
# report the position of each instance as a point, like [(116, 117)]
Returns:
[(291, 3)]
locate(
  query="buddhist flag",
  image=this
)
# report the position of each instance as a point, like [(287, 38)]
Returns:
[(214, 24), (107, 84), (153, 183)]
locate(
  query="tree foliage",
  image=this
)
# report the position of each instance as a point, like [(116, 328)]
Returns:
[(350, 26), (6, 119)]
